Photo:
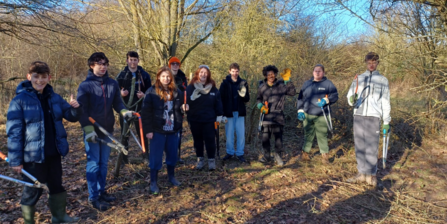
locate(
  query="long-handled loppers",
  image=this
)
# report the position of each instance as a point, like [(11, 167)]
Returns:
[(115, 144), (142, 146), (261, 119), (386, 140), (328, 123), (36, 184)]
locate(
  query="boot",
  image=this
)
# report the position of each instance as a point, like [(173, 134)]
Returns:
[(153, 186), (58, 204), (278, 159), (266, 158), (106, 197), (371, 180), (211, 164), (28, 213), (101, 206), (200, 163), (305, 156), (358, 178), (171, 176), (325, 158)]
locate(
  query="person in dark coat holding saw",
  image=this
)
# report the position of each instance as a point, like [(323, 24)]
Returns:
[(316, 95), (162, 116), (273, 92), (133, 82)]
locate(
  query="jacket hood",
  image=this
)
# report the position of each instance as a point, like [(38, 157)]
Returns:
[(228, 79), (26, 86), (91, 76)]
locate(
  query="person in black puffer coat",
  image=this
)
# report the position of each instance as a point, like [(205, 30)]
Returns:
[(273, 91), (205, 108)]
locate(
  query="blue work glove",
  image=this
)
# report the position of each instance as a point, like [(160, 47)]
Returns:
[(322, 102), (260, 105), (301, 116), (386, 128)]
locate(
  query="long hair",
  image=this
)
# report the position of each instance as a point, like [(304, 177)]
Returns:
[(208, 78), (159, 89)]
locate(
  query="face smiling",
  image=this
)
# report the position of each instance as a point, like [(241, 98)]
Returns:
[(132, 63), (165, 78), (203, 74), (234, 74), (99, 68), (271, 76), (38, 81), (318, 74)]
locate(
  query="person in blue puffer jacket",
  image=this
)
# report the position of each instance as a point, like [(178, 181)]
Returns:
[(37, 140), (100, 95)]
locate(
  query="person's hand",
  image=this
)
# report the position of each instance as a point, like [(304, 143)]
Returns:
[(260, 105), (285, 74), (264, 110), (150, 135), (224, 119), (140, 94), (242, 92), (73, 103), (90, 134), (219, 119), (353, 98), (126, 113), (124, 92), (195, 95), (17, 169), (185, 107), (322, 102), (301, 116), (386, 128)]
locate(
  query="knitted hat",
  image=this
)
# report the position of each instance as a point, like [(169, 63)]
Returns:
[(172, 60)]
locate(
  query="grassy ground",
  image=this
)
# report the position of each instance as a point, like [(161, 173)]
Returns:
[(415, 184)]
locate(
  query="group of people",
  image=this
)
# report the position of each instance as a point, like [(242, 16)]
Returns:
[(37, 139)]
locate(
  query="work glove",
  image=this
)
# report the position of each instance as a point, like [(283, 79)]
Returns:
[(126, 113), (353, 98), (301, 115), (285, 74), (224, 119), (260, 105), (242, 92), (323, 102), (90, 134), (264, 110), (219, 119), (386, 128), (195, 95)]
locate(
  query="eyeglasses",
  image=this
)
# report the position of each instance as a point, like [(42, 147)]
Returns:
[(102, 64), (204, 66), (175, 63)]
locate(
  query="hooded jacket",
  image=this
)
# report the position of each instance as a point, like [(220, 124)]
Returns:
[(142, 83), (229, 95), (153, 113), (373, 96), (275, 96), (312, 91), (25, 124), (205, 108), (99, 95), (180, 80)]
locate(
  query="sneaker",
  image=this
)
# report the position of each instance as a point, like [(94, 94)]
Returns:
[(278, 159), (305, 156), (200, 163), (106, 197), (242, 159), (325, 158), (227, 157), (99, 205), (211, 164), (358, 178)]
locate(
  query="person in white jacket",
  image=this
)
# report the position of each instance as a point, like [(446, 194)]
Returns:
[(369, 94)]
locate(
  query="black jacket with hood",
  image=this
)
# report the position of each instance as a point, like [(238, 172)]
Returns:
[(228, 95), (275, 96), (312, 91), (180, 80), (142, 83)]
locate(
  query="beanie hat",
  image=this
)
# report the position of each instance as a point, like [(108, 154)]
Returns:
[(172, 60)]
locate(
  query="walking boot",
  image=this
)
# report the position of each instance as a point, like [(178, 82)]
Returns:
[(266, 158), (227, 157), (211, 164), (278, 159), (358, 178), (371, 180), (153, 187), (305, 156), (28, 213), (325, 158), (58, 205), (106, 197), (101, 206), (171, 176), (200, 163)]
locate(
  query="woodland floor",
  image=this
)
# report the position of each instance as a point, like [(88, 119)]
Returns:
[(415, 186)]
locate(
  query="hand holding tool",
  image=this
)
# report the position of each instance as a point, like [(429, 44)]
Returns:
[(115, 143), (36, 184)]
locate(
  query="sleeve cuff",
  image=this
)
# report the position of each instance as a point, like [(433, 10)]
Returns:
[(300, 111)]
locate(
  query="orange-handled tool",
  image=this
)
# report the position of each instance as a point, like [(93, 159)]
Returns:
[(31, 177), (115, 143), (141, 131), (4, 157)]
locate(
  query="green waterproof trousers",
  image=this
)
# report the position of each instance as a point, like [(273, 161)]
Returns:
[(315, 125)]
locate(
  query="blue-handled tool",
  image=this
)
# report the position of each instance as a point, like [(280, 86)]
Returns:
[(36, 184), (386, 140)]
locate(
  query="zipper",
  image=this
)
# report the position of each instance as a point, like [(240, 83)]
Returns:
[(54, 123)]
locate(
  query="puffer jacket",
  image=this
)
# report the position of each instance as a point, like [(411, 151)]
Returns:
[(25, 124), (275, 96), (153, 112), (373, 96), (99, 95), (227, 95), (312, 91)]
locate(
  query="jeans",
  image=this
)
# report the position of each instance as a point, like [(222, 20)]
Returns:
[(97, 161), (237, 124), (160, 143)]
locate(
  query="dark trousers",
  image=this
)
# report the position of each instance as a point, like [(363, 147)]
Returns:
[(125, 140), (203, 132), (49, 172), (160, 143), (267, 131)]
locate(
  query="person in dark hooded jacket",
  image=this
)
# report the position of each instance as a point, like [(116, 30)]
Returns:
[(273, 92), (132, 100), (37, 139), (234, 93), (316, 93), (100, 95)]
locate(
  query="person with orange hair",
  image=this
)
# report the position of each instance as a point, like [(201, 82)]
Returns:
[(162, 119), (181, 82), (205, 109)]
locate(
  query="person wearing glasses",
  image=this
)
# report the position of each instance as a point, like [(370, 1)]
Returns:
[(100, 95), (205, 108)]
